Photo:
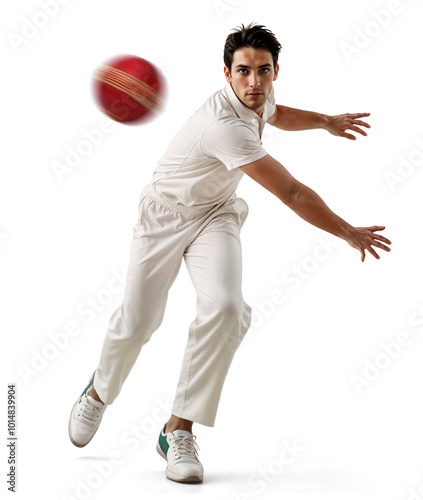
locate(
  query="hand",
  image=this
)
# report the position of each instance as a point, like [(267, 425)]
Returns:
[(363, 238), (337, 125)]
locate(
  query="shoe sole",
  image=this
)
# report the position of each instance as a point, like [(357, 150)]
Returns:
[(175, 477), (79, 445)]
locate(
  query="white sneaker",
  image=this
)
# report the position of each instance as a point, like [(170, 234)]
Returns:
[(179, 449), (85, 418)]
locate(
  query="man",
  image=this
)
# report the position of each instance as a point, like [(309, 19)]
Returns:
[(190, 210)]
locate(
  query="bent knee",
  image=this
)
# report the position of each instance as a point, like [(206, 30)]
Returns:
[(229, 306)]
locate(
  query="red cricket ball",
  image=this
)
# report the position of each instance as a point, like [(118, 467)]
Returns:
[(129, 89)]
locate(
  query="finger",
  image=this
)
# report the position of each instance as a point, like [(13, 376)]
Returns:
[(359, 115), (363, 255), (347, 136), (375, 255), (376, 228), (363, 124), (382, 238), (380, 245), (356, 129)]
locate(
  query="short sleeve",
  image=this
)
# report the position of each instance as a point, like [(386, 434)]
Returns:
[(232, 142)]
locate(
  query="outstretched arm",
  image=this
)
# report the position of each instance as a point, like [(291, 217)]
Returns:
[(273, 176), (297, 119)]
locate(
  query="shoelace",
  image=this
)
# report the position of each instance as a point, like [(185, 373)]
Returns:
[(186, 446), (89, 412)]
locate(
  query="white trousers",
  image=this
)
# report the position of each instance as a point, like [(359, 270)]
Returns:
[(209, 241)]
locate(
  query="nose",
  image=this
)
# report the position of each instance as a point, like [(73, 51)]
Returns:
[(254, 80)]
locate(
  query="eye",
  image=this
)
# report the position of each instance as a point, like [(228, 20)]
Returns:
[(265, 70), (241, 71)]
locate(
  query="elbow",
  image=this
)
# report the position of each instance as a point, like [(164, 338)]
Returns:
[(293, 195)]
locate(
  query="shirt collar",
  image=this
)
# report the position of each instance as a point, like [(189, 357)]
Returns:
[(243, 111)]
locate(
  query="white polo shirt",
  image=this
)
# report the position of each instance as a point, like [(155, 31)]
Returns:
[(200, 167)]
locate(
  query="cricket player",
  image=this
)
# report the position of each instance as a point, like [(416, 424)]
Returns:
[(190, 211)]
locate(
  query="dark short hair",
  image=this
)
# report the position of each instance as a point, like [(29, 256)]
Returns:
[(255, 36)]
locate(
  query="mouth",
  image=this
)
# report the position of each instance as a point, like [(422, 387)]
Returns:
[(255, 94)]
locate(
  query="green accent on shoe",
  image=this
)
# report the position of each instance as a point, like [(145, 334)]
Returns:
[(164, 445), (88, 386)]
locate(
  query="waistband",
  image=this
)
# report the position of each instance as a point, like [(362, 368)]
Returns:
[(167, 202)]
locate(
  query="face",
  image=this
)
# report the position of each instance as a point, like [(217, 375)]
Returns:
[(251, 77)]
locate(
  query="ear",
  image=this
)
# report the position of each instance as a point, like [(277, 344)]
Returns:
[(227, 74), (276, 72)]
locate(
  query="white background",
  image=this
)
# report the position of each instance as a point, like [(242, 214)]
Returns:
[(62, 240)]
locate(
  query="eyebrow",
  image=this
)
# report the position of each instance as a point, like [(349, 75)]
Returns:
[(249, 67)]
